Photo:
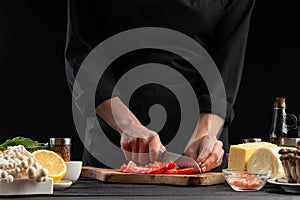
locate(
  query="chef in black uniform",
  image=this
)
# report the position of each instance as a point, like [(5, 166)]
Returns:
[(220, 26)]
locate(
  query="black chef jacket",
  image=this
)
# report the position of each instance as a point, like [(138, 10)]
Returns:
[(220, 26)]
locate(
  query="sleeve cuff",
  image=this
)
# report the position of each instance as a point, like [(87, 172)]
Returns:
[(216, 105)]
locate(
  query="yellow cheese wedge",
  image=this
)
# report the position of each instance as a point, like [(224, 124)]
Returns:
[(239, 154), (266, 158)]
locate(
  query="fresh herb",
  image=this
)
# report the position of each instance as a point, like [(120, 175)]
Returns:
[(26, 142)]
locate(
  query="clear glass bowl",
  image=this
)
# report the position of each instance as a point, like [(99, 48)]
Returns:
[(246, 181)]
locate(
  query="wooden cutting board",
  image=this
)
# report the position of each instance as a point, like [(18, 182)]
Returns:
[(114, 176)]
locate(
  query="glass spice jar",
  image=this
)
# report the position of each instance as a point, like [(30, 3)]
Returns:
[(61, 146)]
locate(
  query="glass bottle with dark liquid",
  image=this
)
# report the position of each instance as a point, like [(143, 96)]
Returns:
[(279, 128)]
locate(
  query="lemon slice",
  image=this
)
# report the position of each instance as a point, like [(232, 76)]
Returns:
[(1, 152), (51, 161)]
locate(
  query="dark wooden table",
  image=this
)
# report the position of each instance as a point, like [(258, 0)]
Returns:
[(92, 189)]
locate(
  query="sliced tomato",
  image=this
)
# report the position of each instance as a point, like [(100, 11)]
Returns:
[(156, 164), (171, 165), (156, 171), (189, 170), (171, 171), (156, 168), (196, 172)]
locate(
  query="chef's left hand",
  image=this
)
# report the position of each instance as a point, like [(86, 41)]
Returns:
[(207, 151)]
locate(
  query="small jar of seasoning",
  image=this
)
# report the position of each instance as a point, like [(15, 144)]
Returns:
[(61, 146)]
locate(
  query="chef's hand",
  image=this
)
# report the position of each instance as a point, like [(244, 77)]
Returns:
[(207, 151), (140, 144), (204, 147), (137, 142)]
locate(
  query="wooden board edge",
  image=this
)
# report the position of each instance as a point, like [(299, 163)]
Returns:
[(102, 174)]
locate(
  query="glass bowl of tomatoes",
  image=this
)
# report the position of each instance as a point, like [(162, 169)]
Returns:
[(243, 180)]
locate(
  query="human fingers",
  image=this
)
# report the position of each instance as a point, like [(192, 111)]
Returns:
[(192, 150), (215, 158), (143, 151), (203, 155), (126, 147), (135, 149), (206, 145), (154, 147)]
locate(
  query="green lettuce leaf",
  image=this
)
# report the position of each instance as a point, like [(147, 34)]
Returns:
[(26, 142)]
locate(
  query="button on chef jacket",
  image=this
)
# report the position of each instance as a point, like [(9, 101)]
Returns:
[(220, 26)]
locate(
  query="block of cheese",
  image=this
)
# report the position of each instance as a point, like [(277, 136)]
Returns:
[(266, 158), (239, 154), (25, 186)]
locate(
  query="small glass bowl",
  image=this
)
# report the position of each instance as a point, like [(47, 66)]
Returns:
[(246, 181)]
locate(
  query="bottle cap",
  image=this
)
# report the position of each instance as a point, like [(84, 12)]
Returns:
[(280, 102)]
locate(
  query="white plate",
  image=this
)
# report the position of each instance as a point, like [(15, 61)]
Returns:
[(288, 187), (61, 185)]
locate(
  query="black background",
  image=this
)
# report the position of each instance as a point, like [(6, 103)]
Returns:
[(36, 101)]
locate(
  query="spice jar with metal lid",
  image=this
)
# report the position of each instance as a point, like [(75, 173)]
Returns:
[(61, 146)]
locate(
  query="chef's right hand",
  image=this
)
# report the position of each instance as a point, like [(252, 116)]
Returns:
[(140, 144)]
